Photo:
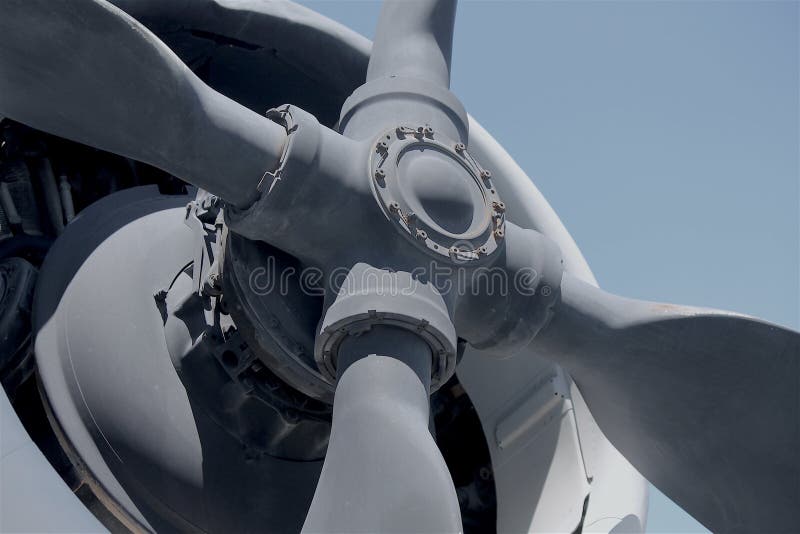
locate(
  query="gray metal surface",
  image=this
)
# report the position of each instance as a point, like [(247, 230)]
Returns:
[(26, 477), (701, 401), (371, 298), (658, 378), (143, 101), (617, 489), (118, 399), (383, 472)]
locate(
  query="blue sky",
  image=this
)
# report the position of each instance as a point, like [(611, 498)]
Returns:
[(665, 134)]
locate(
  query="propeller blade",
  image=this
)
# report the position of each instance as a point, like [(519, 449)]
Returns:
[(414, 40), (704, 403), (383, 471), (87, 71)]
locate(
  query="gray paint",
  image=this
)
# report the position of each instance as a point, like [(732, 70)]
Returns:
[(699, 400), (643, 355), (143, 103), (27, 477), (383, 472)]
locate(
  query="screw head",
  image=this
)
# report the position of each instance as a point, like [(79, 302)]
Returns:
[(486, 174), (498, 206), (380, 174), (460, 147), (394, 206), (499, 233)]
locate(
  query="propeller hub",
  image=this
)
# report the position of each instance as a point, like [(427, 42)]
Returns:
[(437, 194), (441, 192)]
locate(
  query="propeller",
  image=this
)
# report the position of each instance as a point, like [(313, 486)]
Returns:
[(89, 72), (383, 471), (703, 403)]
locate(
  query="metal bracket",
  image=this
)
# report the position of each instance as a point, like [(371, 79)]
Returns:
[(282, 116)]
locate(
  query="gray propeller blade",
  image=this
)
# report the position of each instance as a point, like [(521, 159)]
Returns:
[(86, 71), (414, 40), (383, 471), (705, 404)]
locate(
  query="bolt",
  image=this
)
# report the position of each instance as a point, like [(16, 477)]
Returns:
[(428, 131), (486, 174), (499, 233), (422, 234), (460, 147), (382, 146), (499, 207), (380, 174), (394, 206), (483, 250)]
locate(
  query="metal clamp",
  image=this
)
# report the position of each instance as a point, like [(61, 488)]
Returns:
[(282, 116)]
